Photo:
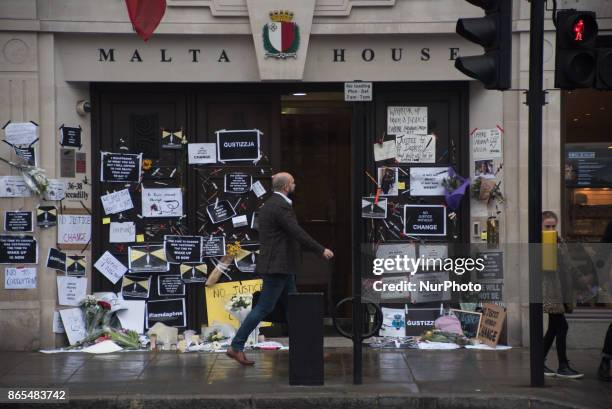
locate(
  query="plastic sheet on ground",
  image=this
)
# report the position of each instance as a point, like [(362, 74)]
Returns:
[(438, 345), (486, 347), (104, 347)]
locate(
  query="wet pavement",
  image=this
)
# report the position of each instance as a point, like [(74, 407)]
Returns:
[(392, 378)]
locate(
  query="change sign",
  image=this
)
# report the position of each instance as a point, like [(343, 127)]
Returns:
[(183, 249), (425, 220), (242, 145), (18, 250)]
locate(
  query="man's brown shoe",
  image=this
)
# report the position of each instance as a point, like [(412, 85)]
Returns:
[(239, 356)]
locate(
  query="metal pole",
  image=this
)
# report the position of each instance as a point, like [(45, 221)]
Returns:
[(535, 100)]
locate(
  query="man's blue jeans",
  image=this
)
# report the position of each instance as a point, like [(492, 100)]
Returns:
[(276, 288)]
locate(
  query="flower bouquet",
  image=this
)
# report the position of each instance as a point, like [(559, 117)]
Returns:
[(231, 251), (239, 306), (33, 176)]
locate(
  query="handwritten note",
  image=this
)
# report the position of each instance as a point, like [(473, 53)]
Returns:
[(487, 143), (407, 120), (165, 202), (122, 232), (74, 229), (386, 150), (427, 181), (74, 324), (20, 133), (416, 148), (110, 267), (117, 202), (56, 190), (14, 186), (16, 278), (71, 290)]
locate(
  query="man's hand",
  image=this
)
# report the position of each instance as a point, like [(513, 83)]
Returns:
[(328, 254)]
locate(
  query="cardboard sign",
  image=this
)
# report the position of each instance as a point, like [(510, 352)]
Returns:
[(21, 133), (170, 285), (148, 258), (470, 322), (487, 143), (117, 202), (183, 249), (26, 153), (407, 120), (493, 266), (16, 278), (219, 294), (237, 183), (425, 220), (71, 290), (56, 260), (73, 229), (76, 266), (258, 189), (427, 181), (241, 145), (493, 317), (74, 324), (18, 250), (164, 202), (56, 190), (169, 312), (370, 209), (220, 211), (122, 232), (196, 273), (14, 186), (46, 216), (18, 221), (70, 136), (416, 148), (213, 246), (120, 167), (135, 286), (201, 153), (110, 267), (419, 320)]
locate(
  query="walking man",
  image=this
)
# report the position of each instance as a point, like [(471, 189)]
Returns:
[(280, 239)]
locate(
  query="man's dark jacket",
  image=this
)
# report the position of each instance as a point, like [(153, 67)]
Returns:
[(280, 238)]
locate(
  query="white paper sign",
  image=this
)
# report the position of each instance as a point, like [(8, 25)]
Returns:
[(16, 278), (56, 190), (14, 186), (122, 232), (407, 120), (165, 202), (74, 229), (202, 153), (74, 324), (487, 143), (58, 325), (20, 133), (71, 290), (394, 322), (386, 150), (132, 317), (401, 250), (117, 202), (427, 181), (433, 251), (258, 189), (110, 267), (357, 91), (416, 148)]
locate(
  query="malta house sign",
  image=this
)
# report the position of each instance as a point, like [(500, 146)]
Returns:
[(281, 36)]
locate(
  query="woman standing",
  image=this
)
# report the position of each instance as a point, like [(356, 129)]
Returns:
[(557, 300)]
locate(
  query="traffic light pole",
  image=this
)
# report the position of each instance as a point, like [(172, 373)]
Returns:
[(535, 100)]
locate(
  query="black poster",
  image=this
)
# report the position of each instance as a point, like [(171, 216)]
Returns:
[(237, 182), (18, 250), (27, 154), (425, 220), (147, 258), (193, 273), (76, 265), (183, 249), (169, 312), (171, 285), (493, 266), (420, 320), (70, 136), (18, 221), (173, 139), (246, 260), (213, 246), (220, 211), (56, 260), (238, 145), (135, 286), (470, 322), (588, 165), (120, 167), (46, 216)]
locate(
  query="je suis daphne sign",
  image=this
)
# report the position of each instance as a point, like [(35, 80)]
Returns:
[(281, 36)]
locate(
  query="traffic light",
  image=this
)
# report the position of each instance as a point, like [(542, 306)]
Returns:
[(494, 33), (576, 56), (603, 78)]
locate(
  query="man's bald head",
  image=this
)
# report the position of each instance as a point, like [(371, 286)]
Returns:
[(282, 182)]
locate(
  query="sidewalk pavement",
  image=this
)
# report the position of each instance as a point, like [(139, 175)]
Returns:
[(392, 379)]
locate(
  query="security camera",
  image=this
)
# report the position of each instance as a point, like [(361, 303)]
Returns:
[(83, 107)]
